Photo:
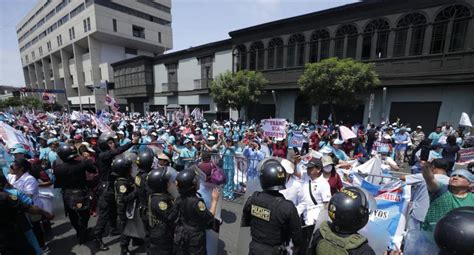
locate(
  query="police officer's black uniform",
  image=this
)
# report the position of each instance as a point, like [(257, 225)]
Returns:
[(162, 213), (125, 193), (194, 217), (349, 212), (273, 220), (71, 178), (106, 206), (144, 163)]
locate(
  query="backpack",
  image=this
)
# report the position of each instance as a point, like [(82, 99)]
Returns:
[(217, 175)]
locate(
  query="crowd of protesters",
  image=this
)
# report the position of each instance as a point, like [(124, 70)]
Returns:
[(428, 157)]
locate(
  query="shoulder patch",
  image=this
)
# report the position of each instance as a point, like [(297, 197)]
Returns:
[(122, 189), (201, 206), (162, 205), (138, 180), (13, 197)]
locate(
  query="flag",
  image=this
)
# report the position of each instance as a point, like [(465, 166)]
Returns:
[(100, 124), (48, 98), (110, 101)]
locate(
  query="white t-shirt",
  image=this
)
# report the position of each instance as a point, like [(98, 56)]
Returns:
[(28, 185), (321, 192)]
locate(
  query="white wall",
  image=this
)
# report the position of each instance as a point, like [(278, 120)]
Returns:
[(111, 53), (188, 71), (160, 76), (222, 62)]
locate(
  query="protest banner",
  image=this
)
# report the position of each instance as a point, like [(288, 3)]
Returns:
[(274, 128), (296, 140), (346, 133), (466, 155), (12, 136), (465, 120)]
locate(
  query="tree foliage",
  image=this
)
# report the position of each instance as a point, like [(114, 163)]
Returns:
[(338, 81), (29, 103), (238, 89)]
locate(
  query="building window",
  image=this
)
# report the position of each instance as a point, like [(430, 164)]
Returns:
[(349, 33), (458, 16), (131, 51), (60, 40), (63, 20), (114, 24), (416, 23), (72, 34), (48, 44), (241, 56), (257, 56), (381, 29), (33, 55), (319, 45), (87, 25), (295, 50), (159, 37), (26, 59), (77, 10), (275, 53), (40, 49), (138, 31)]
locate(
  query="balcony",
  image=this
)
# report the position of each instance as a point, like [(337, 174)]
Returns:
[(169, 87), (202, 83)]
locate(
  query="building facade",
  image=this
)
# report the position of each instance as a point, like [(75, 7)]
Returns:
[(70, 44), (178, 80), (423, 51)]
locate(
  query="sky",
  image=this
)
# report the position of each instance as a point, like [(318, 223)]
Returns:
[(194, 22)]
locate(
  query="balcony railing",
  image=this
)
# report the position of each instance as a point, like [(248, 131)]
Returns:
[(169, 87), (202, 83)]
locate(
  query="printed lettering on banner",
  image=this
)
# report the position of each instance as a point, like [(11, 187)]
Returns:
[(274, 128)]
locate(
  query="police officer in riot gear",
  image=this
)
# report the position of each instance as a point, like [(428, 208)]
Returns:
[(454, 233), (162, 214), (106, 206), (349, 212), (71, 178), (194, 217), (273, 220), (125, 193)]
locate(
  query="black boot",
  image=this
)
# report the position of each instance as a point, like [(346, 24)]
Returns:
[(114, 232), (101, 245), (124, 251)]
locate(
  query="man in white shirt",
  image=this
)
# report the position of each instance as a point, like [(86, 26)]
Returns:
[(314, 195)]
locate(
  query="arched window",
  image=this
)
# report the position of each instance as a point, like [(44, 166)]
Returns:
[(295, 53), (256, 56), (275, 53), (349, 32), (319, 45), (458, 17), (241, 56), (416, 23), (381, 28)]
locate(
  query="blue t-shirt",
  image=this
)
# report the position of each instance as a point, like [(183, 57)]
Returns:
[(434, 137)]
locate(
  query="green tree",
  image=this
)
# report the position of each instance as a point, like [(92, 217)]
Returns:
[(235, 90), (32, 103), (337, 81)]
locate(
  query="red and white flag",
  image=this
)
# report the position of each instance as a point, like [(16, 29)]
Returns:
[(48, 98)]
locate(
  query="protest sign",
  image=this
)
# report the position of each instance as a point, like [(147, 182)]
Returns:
[(465, 120), (296, 140), (274, 128), (466, 155), (12, 136), (346, 133)]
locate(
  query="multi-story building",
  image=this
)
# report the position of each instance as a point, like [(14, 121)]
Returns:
[(178, 80), (423, 51), (69, 44)]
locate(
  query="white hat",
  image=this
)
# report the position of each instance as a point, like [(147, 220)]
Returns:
[(387, 136), (418, 127), (279, 139), (154, 134), (338, 141), (211, 138), (120, 132), (325, 150)]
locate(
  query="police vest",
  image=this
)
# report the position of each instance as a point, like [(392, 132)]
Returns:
[(336, 245), (265, 228), (153, 221)]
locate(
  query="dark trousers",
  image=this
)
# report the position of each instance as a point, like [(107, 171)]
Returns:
[(307, 233), (38, 231), (190, 242), (107, 211), (79, 220), (124, 239), (262, 249)]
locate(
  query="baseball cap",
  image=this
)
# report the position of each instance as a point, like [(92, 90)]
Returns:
[(20, 151), (314, 162), (211, 138), (325, 150), (326, 160), (464, 173), (187, 140), (163, 157), (419, 127), (338, 141)]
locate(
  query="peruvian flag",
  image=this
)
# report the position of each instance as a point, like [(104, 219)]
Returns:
[(48, 97)]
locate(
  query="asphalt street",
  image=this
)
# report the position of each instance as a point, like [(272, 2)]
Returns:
[(65, 242)]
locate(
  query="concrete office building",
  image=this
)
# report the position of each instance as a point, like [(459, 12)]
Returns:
[(178, 80), (70, 44)]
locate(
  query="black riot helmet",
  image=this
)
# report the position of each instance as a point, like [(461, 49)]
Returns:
[(272, 175), (67, 152), (348, 210), (104, 139), (121, 167), (157, 180), (454, 233), (187, 181), (145, 160)]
